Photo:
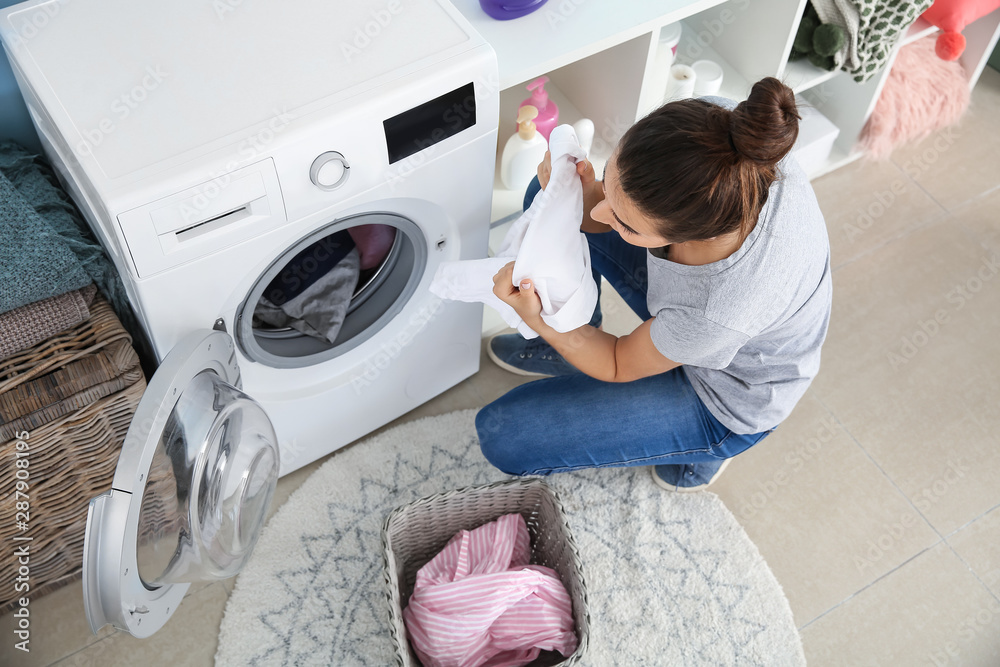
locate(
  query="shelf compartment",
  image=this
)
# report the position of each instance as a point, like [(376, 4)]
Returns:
[(981, 37), (604, 87), (734, 84), (508, 202), (754, 35), (559, 34), (801, 75)]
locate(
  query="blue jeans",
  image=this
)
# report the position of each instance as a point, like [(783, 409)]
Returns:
[(573, 421)]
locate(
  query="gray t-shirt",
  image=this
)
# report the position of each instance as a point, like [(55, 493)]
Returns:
[(749, 328)]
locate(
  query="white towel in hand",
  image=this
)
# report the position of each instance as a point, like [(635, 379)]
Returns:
[(547, 247)]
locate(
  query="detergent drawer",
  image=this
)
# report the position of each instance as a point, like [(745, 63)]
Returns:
[(219, 213)]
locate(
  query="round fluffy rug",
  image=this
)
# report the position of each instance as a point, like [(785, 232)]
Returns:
[(672, 578)]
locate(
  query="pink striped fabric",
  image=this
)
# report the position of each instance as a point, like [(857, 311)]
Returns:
[(479, 603)]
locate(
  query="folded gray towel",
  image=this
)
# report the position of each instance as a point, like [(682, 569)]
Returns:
[(29, 325)]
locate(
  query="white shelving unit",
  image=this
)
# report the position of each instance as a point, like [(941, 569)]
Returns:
[(601, 58), (801, 75)]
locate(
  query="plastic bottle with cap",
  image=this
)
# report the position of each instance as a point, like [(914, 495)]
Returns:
[(523, 151), (548, 112)]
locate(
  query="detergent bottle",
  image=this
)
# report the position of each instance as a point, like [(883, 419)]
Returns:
[(548, 112), (523, 151)]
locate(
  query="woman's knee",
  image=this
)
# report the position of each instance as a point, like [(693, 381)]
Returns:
[(498, 440)]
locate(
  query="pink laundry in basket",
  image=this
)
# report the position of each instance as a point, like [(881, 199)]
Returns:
[(479, 603)]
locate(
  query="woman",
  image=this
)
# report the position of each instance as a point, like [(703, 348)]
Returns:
[(714, 238)]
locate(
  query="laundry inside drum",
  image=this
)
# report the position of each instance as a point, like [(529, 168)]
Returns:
[(326, 281), (333, 290)]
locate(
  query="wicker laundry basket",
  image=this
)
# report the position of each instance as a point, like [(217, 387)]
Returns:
[(75, 395), (413, 534)]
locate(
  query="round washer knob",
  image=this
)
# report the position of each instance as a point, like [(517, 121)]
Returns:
[(329, 171)]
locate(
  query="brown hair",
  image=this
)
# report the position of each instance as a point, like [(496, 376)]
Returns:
[(700, 170)]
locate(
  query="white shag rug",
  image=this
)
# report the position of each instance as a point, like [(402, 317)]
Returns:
[(672, 578)]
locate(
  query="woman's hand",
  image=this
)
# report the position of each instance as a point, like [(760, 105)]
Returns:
[(584, 168), (587, 174), (523, 300)]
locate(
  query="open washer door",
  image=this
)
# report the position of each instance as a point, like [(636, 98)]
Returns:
[(190, 494)]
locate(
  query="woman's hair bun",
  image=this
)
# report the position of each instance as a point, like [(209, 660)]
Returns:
[(765, 126)]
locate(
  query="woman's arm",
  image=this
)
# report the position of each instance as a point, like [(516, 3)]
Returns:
[(598, 354), (593, 194)]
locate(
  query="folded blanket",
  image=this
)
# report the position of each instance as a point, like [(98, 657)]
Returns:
[(35, 262), (873, 27), (547, 247), (54, 215), (29, 325), (479, 602)]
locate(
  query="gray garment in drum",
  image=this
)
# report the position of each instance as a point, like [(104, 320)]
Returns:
[(319, 311), (749, 328)]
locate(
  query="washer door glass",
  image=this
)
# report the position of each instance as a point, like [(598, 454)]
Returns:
[(209, 486), (191, 491), (332, 290)]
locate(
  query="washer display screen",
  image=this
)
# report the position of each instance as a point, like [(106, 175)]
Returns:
[(425, 125)]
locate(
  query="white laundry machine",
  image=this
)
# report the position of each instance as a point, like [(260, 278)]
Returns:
[(221, 151)]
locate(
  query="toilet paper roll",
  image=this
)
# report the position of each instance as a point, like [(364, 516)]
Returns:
[(681, 83), (708, 77)]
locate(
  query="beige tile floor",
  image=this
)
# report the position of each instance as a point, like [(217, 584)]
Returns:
[(877, 503)]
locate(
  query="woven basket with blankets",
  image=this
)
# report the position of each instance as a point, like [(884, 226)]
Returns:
[(70, 379)]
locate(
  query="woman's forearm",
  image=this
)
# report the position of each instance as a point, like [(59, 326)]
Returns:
[(593, 194), (590, 350)]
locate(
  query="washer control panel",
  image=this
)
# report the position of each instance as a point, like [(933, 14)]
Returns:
[(329, 171)]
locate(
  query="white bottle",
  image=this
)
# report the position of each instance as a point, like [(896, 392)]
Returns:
[(523, 152)]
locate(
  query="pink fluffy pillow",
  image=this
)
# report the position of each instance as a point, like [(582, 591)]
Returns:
[(922, 94), (952, 16)]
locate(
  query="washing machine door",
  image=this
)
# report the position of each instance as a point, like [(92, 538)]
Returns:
[(191, 491)]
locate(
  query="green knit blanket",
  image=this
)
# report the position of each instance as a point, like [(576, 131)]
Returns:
[(46, 248), (873, 27)]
